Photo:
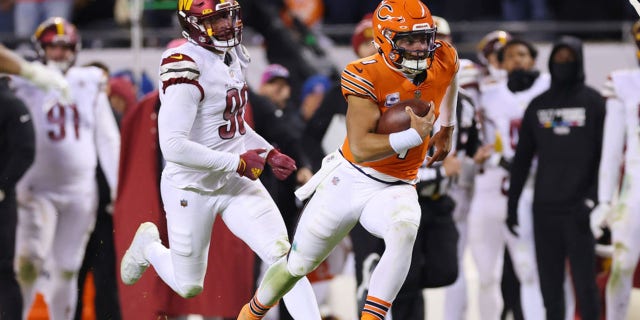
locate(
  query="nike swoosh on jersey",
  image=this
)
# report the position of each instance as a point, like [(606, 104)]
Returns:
[(358, 69), (177, 57)]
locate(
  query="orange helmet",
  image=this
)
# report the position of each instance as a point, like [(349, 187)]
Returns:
[(490, 43), (396, 19), (56, 31), (199, 20)]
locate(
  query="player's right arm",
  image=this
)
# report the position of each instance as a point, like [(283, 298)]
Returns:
[(366, 145), (35, 72), (180, 95)]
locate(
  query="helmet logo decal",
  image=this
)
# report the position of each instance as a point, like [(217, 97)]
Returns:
[(388, 15), (206, 11), (184, 4), (60, 28)]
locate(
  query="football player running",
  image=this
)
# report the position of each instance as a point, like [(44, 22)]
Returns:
[(213, 160), (58, 195), (620, 147), (371, 178)]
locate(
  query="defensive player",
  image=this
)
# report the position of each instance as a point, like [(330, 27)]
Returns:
[(370, 180), (502, 105), (469, 156), (213, 159), (620, 147), (57, 197)]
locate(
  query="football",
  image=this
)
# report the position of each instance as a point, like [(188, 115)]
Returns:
[(395, 119)]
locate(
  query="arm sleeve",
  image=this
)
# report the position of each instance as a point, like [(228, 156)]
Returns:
[(20, 142), (449, 102), (175, 120), (255, 141), (612, 150), (521, 164), (107, 141)]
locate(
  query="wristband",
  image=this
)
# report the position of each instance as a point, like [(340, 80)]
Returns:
[(404, 140)]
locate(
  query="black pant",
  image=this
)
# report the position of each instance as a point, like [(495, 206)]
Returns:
[(100, 258), (510, 286), (558, 237), (10, 296)]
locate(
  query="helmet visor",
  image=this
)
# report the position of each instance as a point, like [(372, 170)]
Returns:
[(415, 45)]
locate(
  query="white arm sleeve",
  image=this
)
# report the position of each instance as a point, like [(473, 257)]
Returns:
[(107, 141), (612, 150), (175, 120), (255, 141), (449, 102)]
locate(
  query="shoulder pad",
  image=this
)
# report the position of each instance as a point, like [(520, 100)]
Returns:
[(178, 68)]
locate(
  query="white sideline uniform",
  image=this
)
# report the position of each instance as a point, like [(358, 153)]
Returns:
[(57, 197), (622, 128), (503, 111)]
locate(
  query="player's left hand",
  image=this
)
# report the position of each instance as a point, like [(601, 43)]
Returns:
[(281, 164), (442, 141)]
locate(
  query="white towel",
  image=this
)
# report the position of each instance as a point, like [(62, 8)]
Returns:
[(329, 164)]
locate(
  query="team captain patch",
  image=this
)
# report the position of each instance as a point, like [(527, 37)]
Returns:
[(179, 68)]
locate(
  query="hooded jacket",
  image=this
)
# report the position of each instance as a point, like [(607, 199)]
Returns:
[(563, 128)]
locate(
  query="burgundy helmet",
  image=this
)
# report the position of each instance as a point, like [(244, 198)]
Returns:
[(212, 24), (56, 31), (490, 43)]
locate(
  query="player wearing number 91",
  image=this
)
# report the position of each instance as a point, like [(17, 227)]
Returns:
[(58, 195), (371, 178), (213, 159)]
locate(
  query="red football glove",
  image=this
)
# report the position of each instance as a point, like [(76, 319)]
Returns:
[(281, 164), (251, 164)]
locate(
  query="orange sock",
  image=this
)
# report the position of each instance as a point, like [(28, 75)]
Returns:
[(253, 310), (375, 309)]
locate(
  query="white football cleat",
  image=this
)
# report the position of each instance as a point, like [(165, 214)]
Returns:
[(134, 262)]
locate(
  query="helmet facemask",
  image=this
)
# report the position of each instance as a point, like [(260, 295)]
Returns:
[(220, 29), (412, 61)]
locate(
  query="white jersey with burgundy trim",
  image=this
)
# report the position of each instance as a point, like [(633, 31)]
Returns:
[(66, 150), (503, 110), (201, 138), (622, 130)]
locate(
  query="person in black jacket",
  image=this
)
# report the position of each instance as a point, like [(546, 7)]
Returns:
[(17, 146), (563, 128)]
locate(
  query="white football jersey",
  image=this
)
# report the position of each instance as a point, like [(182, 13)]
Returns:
[(622, 129), (218, 124), (502, 117), (503, 111), (66, 154)]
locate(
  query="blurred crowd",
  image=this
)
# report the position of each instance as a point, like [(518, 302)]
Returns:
[(20, 17)]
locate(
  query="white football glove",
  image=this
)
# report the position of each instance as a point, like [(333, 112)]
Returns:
[(46, 78), (599, 218)]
